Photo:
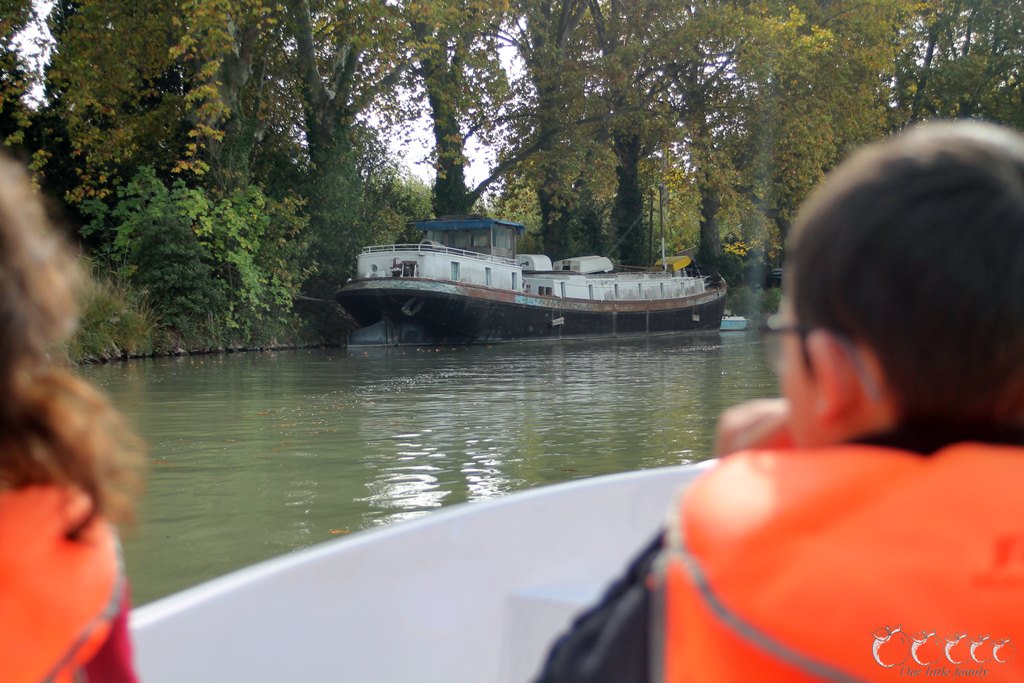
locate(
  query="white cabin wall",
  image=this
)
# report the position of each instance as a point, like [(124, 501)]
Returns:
[(630, 287), (438, 266)]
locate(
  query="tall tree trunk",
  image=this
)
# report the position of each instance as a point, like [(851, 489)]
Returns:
[(922, 82), (554, 217), (552, 191), (230, 156), (450, 194), (545, 50), (326, 100), (628, 211), (710, 242)]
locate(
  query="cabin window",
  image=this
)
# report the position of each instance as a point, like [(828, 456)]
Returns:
[(487, 276), (459, 239), (455, 271), (640, 290), (481, 239), (590, 291), (616, 290), (562, 288), (502, 238), (513, 282), (663, 289)]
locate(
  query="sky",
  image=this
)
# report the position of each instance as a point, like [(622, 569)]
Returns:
[(413, 150), (35, 42)]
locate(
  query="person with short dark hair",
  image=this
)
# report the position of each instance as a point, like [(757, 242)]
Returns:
[(68, 470), (868, 524)]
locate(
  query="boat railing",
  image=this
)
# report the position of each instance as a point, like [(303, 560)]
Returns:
[(422, 248), (651, 276)]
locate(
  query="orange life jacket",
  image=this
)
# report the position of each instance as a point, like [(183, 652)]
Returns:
[(57, 596), (850, 563)]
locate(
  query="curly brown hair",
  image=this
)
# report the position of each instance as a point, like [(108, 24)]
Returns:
[(54, 427)]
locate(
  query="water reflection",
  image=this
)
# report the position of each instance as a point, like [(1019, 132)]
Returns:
[(257, 454)]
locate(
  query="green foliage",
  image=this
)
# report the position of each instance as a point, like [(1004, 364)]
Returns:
[(274, 117), (729, 266), (588, 223), (753, 302), (15, 77), (771, 298), (963, 59), (337, 228), (679, 210), (219, 271), (121, 93), (254, 248), (548, 102), (635, 42), (154, 241), (794, 87)]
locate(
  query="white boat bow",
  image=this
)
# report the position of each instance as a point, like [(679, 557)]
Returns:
[(474, 593)]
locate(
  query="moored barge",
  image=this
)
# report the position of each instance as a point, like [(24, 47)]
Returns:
[(464, 283)]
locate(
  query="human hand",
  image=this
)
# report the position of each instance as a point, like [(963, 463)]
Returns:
[(761, 423)]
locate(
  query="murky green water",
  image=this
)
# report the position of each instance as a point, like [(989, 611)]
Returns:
[(254, 455)]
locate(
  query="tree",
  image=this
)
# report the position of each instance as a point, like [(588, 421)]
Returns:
[(707, 95), (965, 58), (772, 95), (15, 74), (454, 45), (215, 270), (236, 51), (347, 58), (634, 40), (824, 73), (548, 105), (121, 94)]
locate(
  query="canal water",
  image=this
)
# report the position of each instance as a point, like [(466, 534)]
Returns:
[(254, 455)]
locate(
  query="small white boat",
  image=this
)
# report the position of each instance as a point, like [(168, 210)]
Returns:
[(471, 594), (733, 323)]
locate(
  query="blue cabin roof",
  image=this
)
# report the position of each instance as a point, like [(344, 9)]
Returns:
[(476, 223)]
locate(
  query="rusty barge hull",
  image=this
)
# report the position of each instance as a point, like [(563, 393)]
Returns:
[(423, 312)]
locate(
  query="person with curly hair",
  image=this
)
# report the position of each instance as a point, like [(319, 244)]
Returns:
[(68, 469)]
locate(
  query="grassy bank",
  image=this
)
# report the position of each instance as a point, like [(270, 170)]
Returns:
[(117, 322)]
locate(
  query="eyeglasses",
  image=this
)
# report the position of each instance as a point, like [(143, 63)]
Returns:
[(771, 340)]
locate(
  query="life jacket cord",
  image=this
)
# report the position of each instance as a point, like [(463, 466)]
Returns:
[(749, 632)]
